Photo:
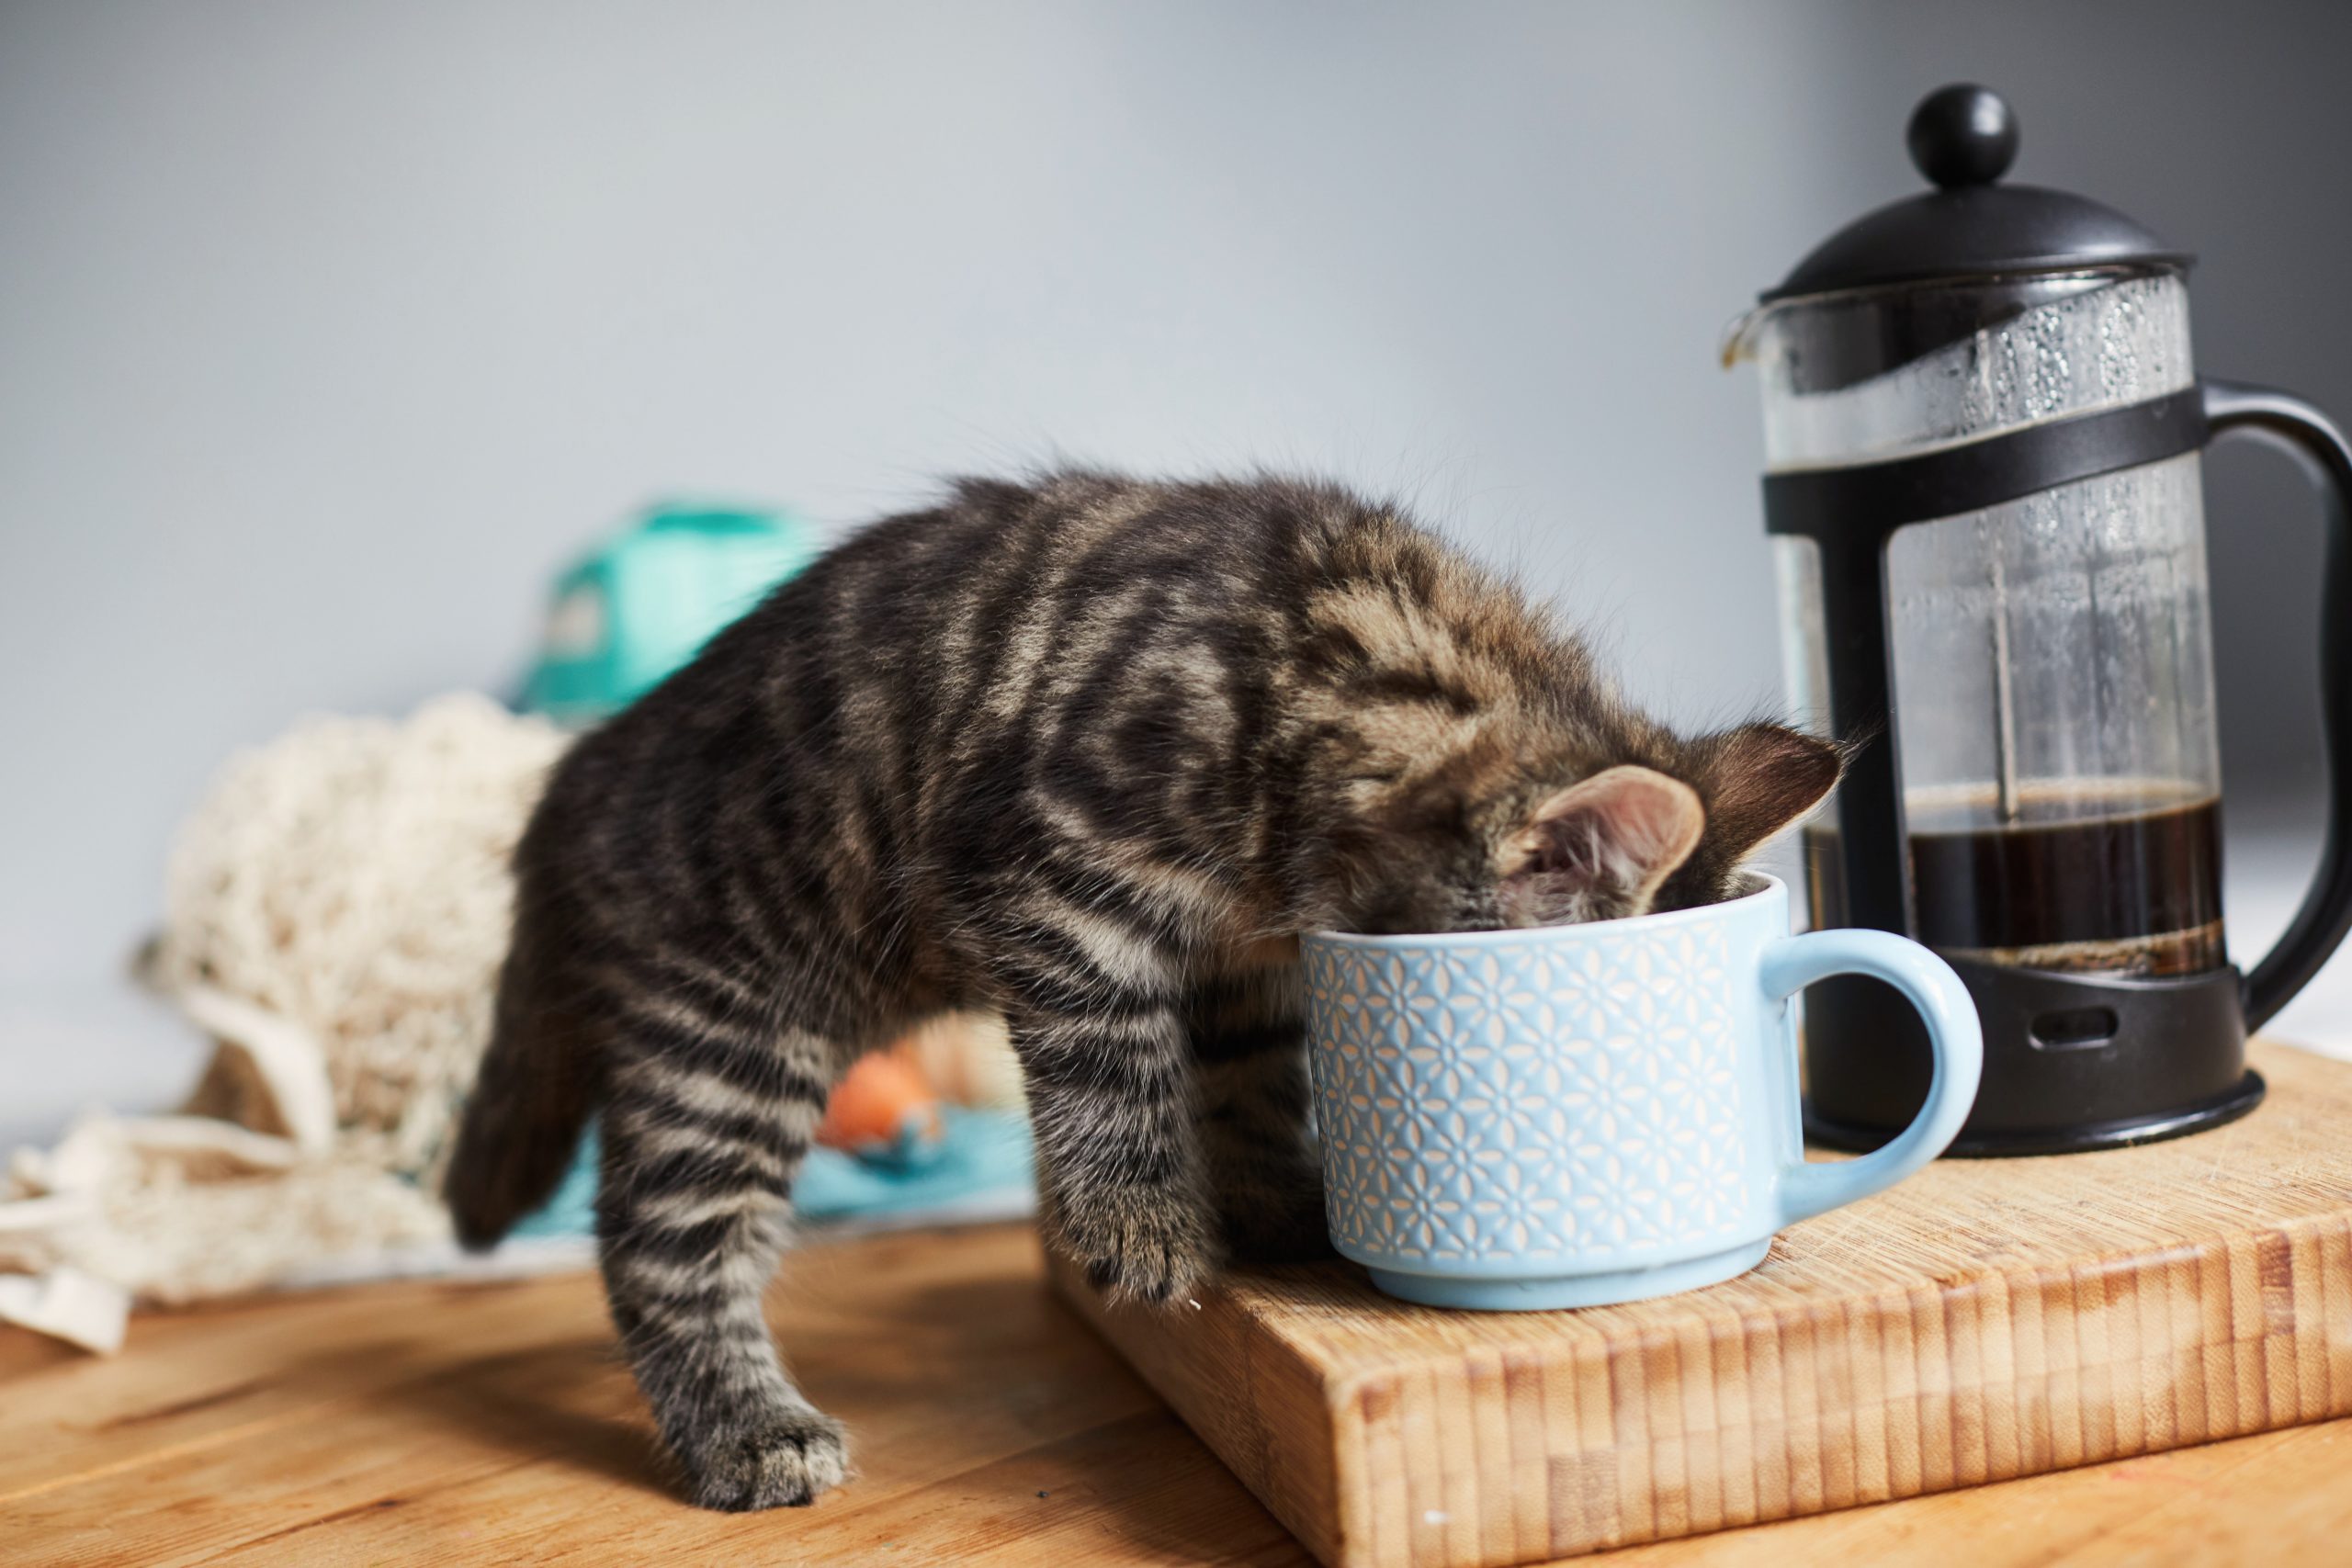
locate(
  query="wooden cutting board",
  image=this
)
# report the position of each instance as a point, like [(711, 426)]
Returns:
[(1984, 1320)]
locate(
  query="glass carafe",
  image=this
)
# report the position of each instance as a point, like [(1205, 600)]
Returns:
[(2052, 673)]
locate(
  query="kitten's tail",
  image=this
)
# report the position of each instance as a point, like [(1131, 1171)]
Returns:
[(539, 1082)]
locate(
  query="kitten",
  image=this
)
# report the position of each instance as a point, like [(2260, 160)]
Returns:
[(1091, 753)]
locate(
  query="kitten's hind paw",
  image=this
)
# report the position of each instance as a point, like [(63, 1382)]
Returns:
[(787, 1461)]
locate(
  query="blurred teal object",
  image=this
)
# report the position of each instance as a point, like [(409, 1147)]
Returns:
[(646, 602), (979, 1168)]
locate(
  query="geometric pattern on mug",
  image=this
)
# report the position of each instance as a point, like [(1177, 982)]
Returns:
[(1562, 1099)]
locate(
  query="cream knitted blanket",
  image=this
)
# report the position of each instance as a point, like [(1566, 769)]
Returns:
[(336, 913)]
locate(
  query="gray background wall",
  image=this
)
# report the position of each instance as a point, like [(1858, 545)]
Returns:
[(327, 331)]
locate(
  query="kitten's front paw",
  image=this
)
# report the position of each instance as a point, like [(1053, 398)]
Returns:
[(784, 1463), (1147, 1249)]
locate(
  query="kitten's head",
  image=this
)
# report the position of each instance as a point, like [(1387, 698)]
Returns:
[(1664, 824), (1469, 769)]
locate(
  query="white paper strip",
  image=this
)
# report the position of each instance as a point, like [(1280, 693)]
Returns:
[(67, 1304)]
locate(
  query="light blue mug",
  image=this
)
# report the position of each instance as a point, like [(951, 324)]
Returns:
[(1575, 1115)]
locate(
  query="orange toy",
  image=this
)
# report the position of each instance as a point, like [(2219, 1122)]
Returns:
[(883, 1108)]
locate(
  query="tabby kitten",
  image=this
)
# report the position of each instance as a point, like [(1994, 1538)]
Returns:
[(1089, 751)]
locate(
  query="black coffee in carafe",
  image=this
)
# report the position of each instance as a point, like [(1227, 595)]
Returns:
[(2111, 891), (2112, 879)]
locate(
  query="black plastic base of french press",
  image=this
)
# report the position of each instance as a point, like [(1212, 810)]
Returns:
[(2080, 1139), (2071, 1061)]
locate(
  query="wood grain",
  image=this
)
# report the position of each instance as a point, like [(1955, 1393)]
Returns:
[(1985, 1320), (422, 1422)]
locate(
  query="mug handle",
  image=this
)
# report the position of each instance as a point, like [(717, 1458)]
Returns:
[(1790, 964), (2232, 407)]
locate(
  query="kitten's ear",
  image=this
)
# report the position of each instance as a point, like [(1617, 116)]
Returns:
[(1621, 831), (1762, 777)]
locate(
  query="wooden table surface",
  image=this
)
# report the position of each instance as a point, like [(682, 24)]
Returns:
[(426, 1422)]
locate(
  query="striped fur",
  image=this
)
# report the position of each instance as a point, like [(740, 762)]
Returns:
[(1087, 752)]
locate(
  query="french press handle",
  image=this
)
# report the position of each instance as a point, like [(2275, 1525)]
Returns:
[(2235, 407)]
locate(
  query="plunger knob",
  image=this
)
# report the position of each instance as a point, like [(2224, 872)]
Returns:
[(1962, 135)]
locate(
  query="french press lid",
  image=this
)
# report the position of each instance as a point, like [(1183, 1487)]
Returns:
[(1962, 139)]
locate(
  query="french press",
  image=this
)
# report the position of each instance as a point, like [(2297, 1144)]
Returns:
[(1982, 434)]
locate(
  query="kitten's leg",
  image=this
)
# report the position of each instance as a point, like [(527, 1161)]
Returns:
[(705, 1125), (1111, 1102), (1249, 1035)]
